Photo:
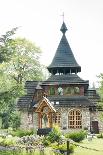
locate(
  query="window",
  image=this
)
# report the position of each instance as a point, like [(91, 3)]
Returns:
[(68, 91), (57, 119), (72, 90), (75, 119), (52, 91), (39, 94), (60, 91), (76, 90)]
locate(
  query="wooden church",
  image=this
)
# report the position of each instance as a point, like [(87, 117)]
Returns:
[(63, 99)]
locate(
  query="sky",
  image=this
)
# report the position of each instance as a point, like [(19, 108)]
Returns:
[(40, 22)]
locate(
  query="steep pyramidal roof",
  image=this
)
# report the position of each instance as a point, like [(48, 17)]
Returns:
[(64, 60)]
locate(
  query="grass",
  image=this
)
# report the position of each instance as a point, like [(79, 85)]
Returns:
[(47, 151), (94, 144)]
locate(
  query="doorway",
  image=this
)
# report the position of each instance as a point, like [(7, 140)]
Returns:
[(95, 127)]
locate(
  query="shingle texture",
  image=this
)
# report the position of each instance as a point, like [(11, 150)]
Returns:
[(25, 101), (71, 101), (65, 79), (64, 57)]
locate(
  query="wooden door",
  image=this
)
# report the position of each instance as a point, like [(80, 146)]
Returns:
[(95, 127)]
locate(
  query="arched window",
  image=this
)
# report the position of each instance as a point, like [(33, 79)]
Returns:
[(72, 90), (68, 91), (76, 90), (75, 119), (52, 91), (57, 119), (60, 91)]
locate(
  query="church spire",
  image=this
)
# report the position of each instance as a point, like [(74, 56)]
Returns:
[(64, 61)]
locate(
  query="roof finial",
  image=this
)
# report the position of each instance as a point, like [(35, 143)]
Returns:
[(63, 16), (63, 27)]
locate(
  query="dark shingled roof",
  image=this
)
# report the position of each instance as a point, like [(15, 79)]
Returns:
[(26, 100), (64, 58), (31, 85), (70, 101), (65, 79), (92, 95)]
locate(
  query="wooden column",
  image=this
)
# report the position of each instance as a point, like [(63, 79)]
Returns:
[(50, 120), (40, 120)]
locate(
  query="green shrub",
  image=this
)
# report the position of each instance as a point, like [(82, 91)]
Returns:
[(2, 152), (100, 136), (7, 142), (21, 133), (63, 148), (12, 152), (46, 141), (76, 136), (54, 135), (15, 120)]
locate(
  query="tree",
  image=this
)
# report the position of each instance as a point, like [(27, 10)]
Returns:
[(5, 45), (101, 85), (22, 64), (101, 94)]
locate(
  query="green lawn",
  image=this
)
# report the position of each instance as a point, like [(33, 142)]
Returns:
[(96, 143)]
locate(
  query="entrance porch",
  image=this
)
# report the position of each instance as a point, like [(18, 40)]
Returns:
[(45, 112)]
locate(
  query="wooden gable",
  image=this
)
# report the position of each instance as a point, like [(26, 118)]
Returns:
[(45, 103)]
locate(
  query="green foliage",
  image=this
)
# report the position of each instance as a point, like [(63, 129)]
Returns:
[(21, 133), (25, 63), (101, 86), (76, 136), (15, 120), (5, 45), (100, 91), (100, 135), (2, 152), (24, 152), (10, 117), (46, 141), (7, 142), (19, 60), (16, 152), (63, 148), (5, 120), (54, 135)]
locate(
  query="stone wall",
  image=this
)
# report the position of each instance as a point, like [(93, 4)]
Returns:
[(96, 116), (30, 120), (35, 120), (26, 120), (85, 118), (64, 118)]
